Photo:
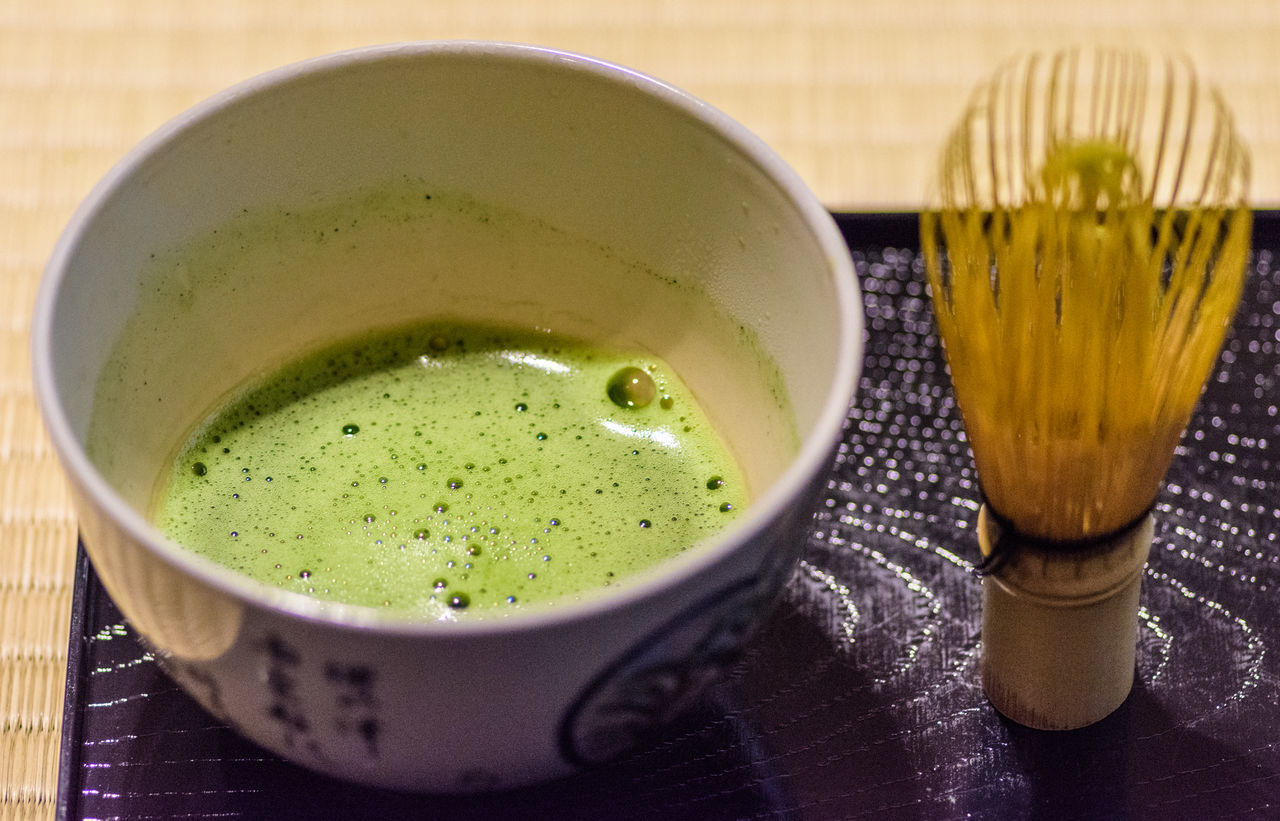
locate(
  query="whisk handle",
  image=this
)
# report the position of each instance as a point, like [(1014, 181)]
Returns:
[(1059, 630)]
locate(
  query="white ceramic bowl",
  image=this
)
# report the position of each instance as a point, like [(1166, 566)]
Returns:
[(582, 191)]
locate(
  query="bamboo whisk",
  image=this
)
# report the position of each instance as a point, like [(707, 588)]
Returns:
[(1085, 255), (1094, 237)]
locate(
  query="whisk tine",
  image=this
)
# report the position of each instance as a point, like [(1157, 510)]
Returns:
[(1162, 133), (1213, 188), (1067, 126), (1136, 78), (1104, 65), (1028, 113), (1192, 104), (993, 108)]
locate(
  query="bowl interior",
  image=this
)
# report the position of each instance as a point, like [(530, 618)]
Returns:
[(502, 184)]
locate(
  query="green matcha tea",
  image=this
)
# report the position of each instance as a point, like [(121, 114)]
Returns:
[(446, 468)]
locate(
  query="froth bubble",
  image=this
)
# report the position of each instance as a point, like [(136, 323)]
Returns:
[(631, 387)]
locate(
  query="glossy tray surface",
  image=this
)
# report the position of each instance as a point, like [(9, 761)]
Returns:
[(860, 697)]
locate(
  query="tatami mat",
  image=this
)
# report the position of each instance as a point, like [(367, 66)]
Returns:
[(856, 94)]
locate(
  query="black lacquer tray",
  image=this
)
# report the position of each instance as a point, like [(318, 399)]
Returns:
[(860, 697)]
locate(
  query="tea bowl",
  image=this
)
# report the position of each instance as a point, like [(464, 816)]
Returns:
[(509, 183)]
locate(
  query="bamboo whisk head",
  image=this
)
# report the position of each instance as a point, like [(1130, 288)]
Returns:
[(1086, 254)]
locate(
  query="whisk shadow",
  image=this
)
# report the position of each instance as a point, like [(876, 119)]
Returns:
[(1075, 774), (1142, 761)]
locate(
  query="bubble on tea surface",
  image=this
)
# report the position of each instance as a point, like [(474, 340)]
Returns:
[(631, 387)]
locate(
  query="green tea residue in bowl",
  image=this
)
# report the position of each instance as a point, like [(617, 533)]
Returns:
[(449, 468)]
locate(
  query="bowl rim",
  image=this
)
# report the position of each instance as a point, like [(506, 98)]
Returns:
[(812, 457)]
